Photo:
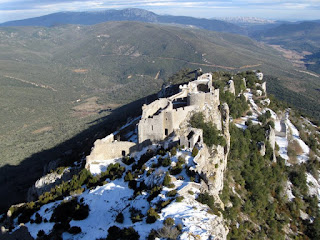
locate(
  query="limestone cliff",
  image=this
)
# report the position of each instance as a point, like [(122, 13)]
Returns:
[(45, 183)]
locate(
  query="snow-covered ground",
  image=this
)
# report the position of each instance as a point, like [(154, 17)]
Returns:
[(192, 215), (314, 186), (100, 166), (283, 147), (254, 106), (107, 201), (296, 136)]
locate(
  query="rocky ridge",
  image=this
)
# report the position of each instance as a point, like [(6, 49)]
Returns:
[(163, 190)]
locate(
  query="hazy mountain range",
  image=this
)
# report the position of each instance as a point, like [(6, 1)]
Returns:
[(132, 14)]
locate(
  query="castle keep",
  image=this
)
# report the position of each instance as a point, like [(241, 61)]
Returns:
[(163, 118)]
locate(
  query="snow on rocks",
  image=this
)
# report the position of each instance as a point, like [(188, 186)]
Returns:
[(100, 166), (45, 212), (105, 202), (283, 147), (289, 191), (314, 185), (254, 106), (296, 136)]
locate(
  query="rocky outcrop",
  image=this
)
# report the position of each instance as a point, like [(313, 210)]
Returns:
[(212, 162), (219, 230), (225, 121), (47, 182), (262, 148), (230, 87), (271, 137)]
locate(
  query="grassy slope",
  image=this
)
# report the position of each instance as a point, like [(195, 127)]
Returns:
[(119, 61)]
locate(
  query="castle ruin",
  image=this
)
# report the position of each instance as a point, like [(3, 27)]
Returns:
[(162, 119)]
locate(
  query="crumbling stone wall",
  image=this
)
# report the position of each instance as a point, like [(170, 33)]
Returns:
[(109, 150)]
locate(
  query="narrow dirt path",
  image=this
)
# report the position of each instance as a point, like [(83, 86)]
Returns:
[(31, 83)]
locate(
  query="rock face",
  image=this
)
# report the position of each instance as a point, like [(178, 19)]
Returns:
[(219, 230), (212, 162), (47, 182), (230, 87), (271, 136), (262, 148)]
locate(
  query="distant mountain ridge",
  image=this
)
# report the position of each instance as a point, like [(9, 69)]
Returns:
[(129, 14)]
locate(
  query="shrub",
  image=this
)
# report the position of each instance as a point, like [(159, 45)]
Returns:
[(127, 160), (172, 193), (195, 151), (191, 192), (68, 210), (38, 219), (135, 215), (132, 184), (169, 221), (176, 169), (163, 204), (115, 233), (179, 227), (152, 235), (166, 180), (206, 198), (130, 234), (74, 230), (120, 218), (179, 198), (41, 233), (181, 160), (81, 212), (211, 136), (166, 162), (173, 151), (61, 227), (162, 152), (152, 216), (168, 232), (155, 191), (128, 176), (113, 172)]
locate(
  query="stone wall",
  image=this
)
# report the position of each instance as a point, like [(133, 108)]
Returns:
[(152, 108), (160, 126), (190, 137), (109, 150)]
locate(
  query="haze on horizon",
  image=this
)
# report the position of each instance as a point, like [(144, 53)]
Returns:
[(271, 9)]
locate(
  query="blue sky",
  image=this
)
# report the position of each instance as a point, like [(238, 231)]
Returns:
[(271, 9)]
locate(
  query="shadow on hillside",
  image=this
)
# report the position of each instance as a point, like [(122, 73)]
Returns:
[(16, 180)]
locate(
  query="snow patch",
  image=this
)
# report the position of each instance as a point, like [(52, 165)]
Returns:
[(283, 147), (314, 186)]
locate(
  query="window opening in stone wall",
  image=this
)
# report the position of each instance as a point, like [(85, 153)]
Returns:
[(123, 153), (166, 132)]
